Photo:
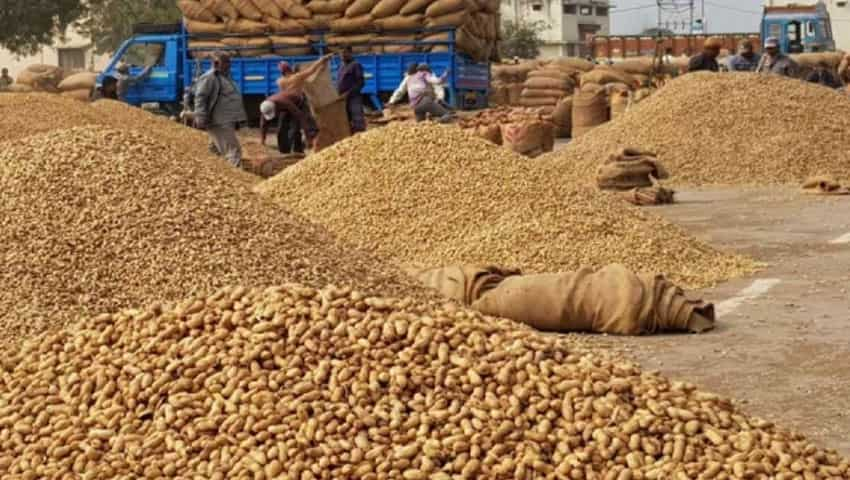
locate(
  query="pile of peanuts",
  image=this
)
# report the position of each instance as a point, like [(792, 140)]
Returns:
[(292, 382)]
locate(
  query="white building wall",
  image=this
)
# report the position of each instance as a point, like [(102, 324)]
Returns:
[(565, 33), (65, 48)]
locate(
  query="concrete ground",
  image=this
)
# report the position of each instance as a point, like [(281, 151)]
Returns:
[(782, 345)]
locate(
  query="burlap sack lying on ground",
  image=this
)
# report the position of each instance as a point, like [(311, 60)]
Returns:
[(40, 77), (612, 300), (531, 138), (194, 10), (78, 81), (463, 283), (823, 185), (221, 8), (562, 117), (628, 169), (590, 109), (646, 196)]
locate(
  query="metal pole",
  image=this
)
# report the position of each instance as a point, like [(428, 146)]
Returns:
[(692, 17), (704, 23)]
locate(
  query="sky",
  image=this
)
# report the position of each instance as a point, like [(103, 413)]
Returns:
[(630, 17)]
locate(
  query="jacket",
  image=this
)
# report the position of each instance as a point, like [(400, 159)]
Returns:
[(218, 101), (401, 91), (702, 62), (740, 63), (778, 65), (422, 84)]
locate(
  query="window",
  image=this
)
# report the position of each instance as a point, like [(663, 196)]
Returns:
[(537, 7), (775, 30), (601, 11), (72, 58), (585, 10), (569, 9), (144, 54)]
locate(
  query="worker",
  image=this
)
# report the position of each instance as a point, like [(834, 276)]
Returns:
[(707, 60), (746, 60), (108, 89), (126, 81), (422, 95), (219, 108), (401, 91), (825, 76), (289, 137), (292, 104), (5, 80), (775, 62), (349, 84)]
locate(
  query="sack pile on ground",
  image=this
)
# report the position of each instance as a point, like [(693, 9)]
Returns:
[(426, 195), (38, 78), (281, 27), (552, 81), (508, 82), (590, 109), (527, 131), (629, 168), (710, 129), (78, 86)]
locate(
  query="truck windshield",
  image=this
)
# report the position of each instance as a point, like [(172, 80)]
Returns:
[(145, 54)]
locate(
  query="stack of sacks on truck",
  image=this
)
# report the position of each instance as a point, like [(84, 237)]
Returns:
[(282, 27), (527, 131), (508, 81)]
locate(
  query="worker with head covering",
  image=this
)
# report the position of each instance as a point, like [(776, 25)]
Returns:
[(219, 108), (126, 80), (422, 96), (292, 105), (707, 60), (289, 138), (746, 60), (775, 62), (350, 82)]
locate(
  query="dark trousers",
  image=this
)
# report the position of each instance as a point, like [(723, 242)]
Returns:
[(289, 137), (356, 116)]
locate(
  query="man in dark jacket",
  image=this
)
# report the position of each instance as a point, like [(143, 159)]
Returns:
[(219, 108), (350, 81), (707, 60)]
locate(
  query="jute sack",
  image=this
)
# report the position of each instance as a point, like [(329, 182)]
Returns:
[(249, 47), (555, 73), (40, 77), (194, 10), (291, 45), (573, 63), (78, 81), (530, 138), (387, 8), (515, 93), (319, 87), (269, 8), (247, 9), (470, 44), (81, 94), (351, 25), (204, 27), (550, 84), (612, 300), (445, 7), (654, 195), (319, 7), (639, 65), (401, 22), (399, 48), (332, 121), (320, 21), (491, 133), (359, 43), (455, 19), (463, 283), (541, 93), (360, 7), (247, 27), (286, 25), (436, 37), (830, 60), (605, 75), (620, 102), (824, 185), (630, 168), (293, 9), (221, 8), (502, 73), (499, 94), (208, 48), (590, 109), (416, 6), (562, 117)]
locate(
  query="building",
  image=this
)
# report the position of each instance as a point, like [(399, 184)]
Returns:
[(839, 14), (569, 23), (73, 52)]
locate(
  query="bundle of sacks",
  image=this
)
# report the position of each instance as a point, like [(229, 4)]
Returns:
[(634, 174), (38, 78), (281, 27), (508, 82), (612, 300), (552, 81), (78, 86), (809, 62), (527, 131)]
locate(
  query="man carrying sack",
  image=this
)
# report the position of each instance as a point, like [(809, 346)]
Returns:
[(611, 300)]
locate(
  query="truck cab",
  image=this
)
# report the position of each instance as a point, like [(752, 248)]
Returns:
[(800, 29)]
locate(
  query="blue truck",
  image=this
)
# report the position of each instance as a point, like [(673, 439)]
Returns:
[(175, 66)]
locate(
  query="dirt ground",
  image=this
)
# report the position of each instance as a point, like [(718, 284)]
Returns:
[(784, 352)]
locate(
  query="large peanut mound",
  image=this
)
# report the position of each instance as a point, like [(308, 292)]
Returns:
[(735, 129), (94, 219), (290, 382), (428, 196)]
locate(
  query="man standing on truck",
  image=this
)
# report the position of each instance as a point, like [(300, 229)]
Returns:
[(746, 60), (350, 81), (219, 108), (775, 62), (707, 60)]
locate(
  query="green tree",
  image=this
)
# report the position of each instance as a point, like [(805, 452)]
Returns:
[(109, 22), (29, 25), (521, 39)]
